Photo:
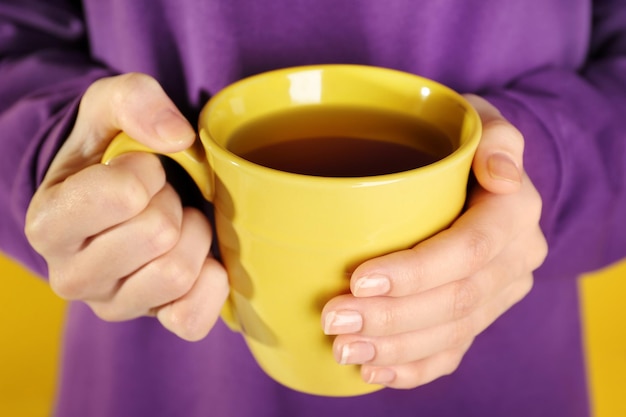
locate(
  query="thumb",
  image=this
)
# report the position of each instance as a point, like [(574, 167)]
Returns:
[(498, 163), (136, 104)]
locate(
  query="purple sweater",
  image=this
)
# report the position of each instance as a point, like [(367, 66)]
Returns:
[(555, 68)]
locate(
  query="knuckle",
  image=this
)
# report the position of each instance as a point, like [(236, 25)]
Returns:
[(126, 89), (125, 196), (129, 197), (465, 298), (185, 323), (478, 247), (37, 233), (137, 174), (176, 275), (92, 92), (163, 232), (66, 285), (42, 227), (133, 81), (417, 276), (128, 84), (385, 318)]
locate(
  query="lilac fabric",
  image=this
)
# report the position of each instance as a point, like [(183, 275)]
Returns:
[(555, 68)]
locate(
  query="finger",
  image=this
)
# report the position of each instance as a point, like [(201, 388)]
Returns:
[(417, 373), (498, 163), (392, 364), (132, 244), (384, 316), (170, 276), (134, 103), (95, 199), (192, 316), (162, 279), (468, 245), (417, 345)]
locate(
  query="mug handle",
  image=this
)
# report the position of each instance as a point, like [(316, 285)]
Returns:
[(194, 161)]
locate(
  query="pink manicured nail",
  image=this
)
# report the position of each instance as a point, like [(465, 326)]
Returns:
[(357, 353), (342, 322), (372, 285), (502, 167)]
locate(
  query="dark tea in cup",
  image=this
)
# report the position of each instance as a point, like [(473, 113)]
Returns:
[(340, 142)]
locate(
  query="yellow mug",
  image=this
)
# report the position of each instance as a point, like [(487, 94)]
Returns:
[(289, 237)]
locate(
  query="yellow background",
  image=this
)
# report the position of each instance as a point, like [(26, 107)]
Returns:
[(604, 318), (31, 324)]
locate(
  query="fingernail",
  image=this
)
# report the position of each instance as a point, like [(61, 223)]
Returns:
[(171, 127), (357, 353), (372, 285), (342, 322), (382, 376), (502, 167)]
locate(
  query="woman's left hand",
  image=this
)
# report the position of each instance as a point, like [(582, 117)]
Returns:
[(413, 314)]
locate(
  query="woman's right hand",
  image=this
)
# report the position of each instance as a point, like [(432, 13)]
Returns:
[(117, 236)]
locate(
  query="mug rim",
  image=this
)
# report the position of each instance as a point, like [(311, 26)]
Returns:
[(466, 147)]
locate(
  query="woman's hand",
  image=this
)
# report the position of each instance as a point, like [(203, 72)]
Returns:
[(116, 236), (413, 314)]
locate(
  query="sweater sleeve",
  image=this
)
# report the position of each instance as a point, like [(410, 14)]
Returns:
[(44, 69), (574, 123)]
